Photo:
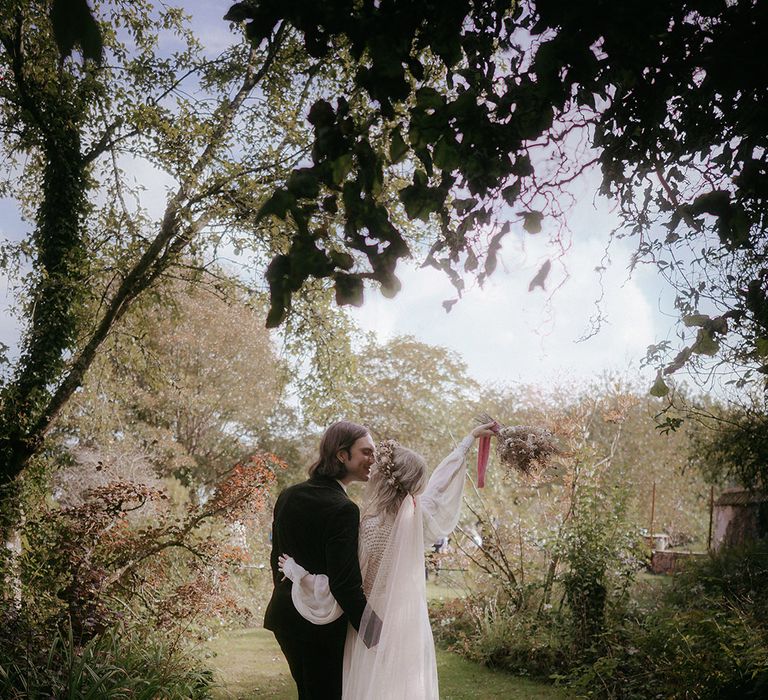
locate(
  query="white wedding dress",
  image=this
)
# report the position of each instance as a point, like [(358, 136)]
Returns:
[(402, 665)]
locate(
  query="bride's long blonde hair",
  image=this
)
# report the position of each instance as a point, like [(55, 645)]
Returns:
[(398, 472)]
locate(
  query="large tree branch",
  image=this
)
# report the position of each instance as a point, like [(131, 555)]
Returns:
[(14, 47), (167, 245), (106, 143)]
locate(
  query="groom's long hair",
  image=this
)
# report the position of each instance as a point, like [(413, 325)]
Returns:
[(339, 436)]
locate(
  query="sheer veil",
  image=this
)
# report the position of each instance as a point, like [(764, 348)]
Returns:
[(402, 665)]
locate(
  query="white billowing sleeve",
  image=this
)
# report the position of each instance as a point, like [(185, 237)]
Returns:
[(441, 500), (311, 594)]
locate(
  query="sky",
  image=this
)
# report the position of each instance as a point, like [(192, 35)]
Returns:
[(505, 333)]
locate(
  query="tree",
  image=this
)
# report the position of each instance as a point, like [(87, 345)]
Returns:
[(412, 392), (592, 500), (471, 117), (730, 444), (481, 114), (189, 385), (220, 128), (112, 547)]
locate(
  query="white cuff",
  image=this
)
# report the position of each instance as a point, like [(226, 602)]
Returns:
[(293, 571)]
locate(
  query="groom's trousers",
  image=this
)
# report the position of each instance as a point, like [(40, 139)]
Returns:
[(315, 668)]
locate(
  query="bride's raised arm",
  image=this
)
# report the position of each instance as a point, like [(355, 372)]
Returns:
[(441, 500)]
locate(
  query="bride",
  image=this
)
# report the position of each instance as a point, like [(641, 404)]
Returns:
[(402, 512)]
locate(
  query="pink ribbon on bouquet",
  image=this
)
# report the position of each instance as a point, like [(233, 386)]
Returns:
[(483, 453)]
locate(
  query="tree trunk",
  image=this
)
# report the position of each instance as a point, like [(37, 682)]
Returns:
[(57, 301), (57, 298)]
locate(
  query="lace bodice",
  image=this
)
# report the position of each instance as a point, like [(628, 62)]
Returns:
[(374, 536)]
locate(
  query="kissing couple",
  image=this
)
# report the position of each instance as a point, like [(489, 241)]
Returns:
[(349, 607)]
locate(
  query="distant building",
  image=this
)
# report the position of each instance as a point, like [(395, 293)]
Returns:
[(740, 516)]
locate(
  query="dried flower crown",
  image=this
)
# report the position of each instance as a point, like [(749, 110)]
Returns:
[(385, 463)]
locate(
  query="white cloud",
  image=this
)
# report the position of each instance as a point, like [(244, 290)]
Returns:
[(507, 334)]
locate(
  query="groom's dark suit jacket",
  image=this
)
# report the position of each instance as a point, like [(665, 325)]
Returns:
[(317, 524)]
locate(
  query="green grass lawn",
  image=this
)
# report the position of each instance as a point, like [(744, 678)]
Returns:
[(443, 590), (249, 665), (449, 583)]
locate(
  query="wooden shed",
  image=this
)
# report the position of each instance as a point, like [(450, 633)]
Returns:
[(740, 516)]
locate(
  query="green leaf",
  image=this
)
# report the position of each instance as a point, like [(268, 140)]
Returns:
[(718, 325), (343, 260), (73, 25), (303, 184), (532, 221), (493, 249), (419, 202), (522, 166), (349, 290), (448, 304), (330, 204), (429, 98), (397, 147), (462, 205), (705, 344), (511, 193), (424, 155), (416, 68), (716, 203), (761, 347), (277, 205), (446, 156), (540, 277), (279, 291), (321, 114), (390, 285), (679, 361), (695, 320), (341, 167), (659, 388), (277, 313), (239, 12), (735, 228)]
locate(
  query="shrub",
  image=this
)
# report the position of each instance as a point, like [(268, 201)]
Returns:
[(501, 636), (699, 636), (679, 654), (168, 564), (452, 622), (117, 663), (110, 587), (707, 637)]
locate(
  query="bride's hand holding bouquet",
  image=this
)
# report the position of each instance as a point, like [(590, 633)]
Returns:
[(525, 449)]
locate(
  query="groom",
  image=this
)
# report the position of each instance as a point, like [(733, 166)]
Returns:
[(317, 524)]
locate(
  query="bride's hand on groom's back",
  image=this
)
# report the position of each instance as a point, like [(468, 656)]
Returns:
[(281, 562)]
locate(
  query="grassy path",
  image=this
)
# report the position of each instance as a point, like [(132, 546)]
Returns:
[(249, 665)]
